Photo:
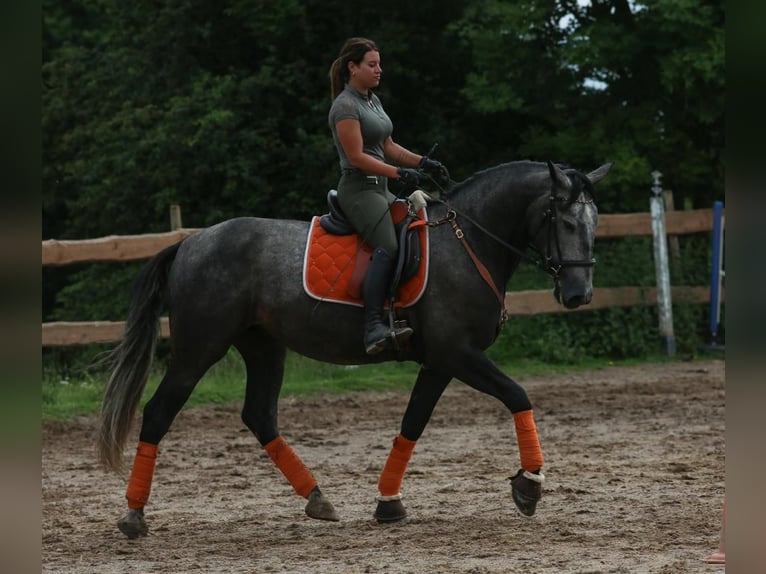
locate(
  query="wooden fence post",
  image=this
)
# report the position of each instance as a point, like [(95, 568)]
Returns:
[(664, 303), (175, 217)]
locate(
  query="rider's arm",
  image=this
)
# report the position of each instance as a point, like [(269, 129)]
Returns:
[(350, 137), (400, 155)]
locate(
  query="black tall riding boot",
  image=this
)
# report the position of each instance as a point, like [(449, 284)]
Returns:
[(377, 335)]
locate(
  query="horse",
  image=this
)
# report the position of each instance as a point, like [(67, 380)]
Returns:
[(239, 283)]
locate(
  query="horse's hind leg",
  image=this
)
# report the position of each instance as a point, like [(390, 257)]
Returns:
[(265, 359), (425, 394), (171, 394)]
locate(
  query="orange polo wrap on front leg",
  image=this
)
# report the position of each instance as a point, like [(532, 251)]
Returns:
[(287, 461), (529, 445), (393, 471), (140, 482)]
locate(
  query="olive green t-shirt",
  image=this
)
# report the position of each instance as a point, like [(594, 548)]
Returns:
[(375, 124)]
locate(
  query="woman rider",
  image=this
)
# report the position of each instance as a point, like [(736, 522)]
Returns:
[(361, 130)]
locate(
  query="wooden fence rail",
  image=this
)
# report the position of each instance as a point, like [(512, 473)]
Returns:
[(64, 333), (131, 247), (128, 247), (110, 248)]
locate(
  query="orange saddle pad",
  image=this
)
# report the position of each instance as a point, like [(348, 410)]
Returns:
[(334, 266)]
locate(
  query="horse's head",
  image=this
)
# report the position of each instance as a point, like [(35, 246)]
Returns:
[(562, 224)]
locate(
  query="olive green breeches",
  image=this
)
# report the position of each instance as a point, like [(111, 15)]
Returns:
[(365, 200)]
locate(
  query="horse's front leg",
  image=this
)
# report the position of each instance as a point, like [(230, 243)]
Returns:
[(477, 371), (425, 394)]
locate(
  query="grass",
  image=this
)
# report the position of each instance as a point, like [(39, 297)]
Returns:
[(80, 394)]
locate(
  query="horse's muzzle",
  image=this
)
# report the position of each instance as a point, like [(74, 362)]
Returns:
[(577, 301), (572, 299)]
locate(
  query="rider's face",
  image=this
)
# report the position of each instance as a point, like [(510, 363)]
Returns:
[(367, 73)]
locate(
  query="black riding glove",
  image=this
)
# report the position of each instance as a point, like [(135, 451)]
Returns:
[(408, 177), (435, 168)]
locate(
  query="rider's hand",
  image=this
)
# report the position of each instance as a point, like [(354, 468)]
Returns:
[(408, 177), (433, 167)]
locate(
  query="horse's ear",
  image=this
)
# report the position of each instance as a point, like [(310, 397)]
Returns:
[(599, 173), (559, 178)]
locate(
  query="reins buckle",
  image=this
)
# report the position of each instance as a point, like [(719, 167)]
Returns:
[(458, 232)]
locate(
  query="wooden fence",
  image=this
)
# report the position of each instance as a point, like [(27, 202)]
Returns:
[(132, 247)]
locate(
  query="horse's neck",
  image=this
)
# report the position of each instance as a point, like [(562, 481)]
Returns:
[(499, 203)]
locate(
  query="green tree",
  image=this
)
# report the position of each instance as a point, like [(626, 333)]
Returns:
[(639, 83)]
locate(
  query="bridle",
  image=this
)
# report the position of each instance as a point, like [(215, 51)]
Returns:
[(545, 261), (550, 217)]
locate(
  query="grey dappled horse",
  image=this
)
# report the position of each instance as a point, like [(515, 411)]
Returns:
[(240, 283)]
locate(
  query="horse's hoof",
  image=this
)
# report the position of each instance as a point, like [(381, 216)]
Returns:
[(390, 511), (526, 491), (132, 523), (320, 508)]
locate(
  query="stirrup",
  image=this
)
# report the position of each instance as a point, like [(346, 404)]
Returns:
[(395, 337), (400, 334)]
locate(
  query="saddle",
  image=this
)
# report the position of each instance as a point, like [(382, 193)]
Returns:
[(337, 259)]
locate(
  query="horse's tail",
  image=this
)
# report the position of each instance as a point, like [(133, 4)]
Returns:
[(131, 359)]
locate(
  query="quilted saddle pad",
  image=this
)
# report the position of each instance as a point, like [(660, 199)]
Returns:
[(334, 266)]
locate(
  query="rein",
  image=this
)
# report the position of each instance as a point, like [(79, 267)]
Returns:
[(452, 214)]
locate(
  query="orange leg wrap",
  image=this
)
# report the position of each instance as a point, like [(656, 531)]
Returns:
[(299, 476), (393, 471), (140, 483), (529, 445)]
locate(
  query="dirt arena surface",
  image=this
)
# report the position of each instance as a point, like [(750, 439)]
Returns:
[(634, 467)]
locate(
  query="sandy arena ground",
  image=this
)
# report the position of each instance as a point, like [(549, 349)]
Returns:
[(634, 466)]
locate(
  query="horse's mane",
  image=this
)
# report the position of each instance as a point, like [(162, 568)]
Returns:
[(525, 168)]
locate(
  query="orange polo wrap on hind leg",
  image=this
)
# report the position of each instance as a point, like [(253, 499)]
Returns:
[(287, 461), (529, 445), (140, 482), (393, 471)]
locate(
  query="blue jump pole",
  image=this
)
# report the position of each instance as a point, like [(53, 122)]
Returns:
[(716, 274)]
